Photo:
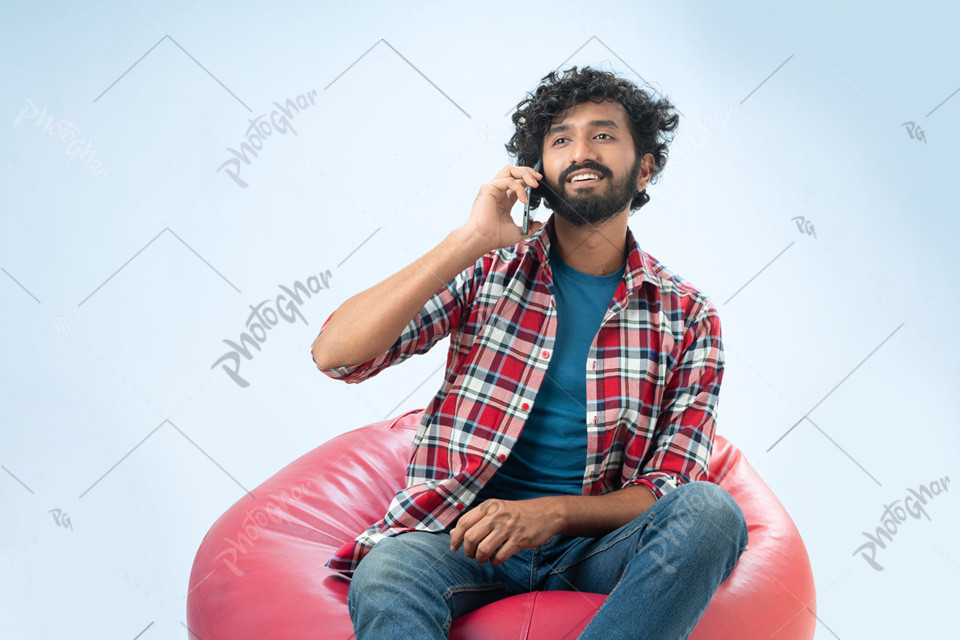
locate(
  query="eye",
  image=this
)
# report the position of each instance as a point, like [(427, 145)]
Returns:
[(599, 134)]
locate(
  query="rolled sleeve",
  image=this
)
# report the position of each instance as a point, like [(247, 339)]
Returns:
[(686, 425), (658, 482), (441, 314)]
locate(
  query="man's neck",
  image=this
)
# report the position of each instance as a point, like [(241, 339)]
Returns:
[(598, 251)]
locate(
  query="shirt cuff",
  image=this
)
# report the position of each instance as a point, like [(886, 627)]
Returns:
[(660, 482)]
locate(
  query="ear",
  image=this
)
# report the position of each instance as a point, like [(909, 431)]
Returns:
[(647, 165)]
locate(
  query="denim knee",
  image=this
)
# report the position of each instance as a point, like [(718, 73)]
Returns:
[(718, 510), (703, 507), (384, 565)]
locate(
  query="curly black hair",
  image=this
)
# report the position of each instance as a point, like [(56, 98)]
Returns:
[(650, 119)]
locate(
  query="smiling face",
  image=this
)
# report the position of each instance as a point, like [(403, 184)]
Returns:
[(591, 138)]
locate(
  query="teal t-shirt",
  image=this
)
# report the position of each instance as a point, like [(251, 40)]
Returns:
[(550, 457)]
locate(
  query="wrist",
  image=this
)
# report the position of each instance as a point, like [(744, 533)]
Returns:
[(471, 241), (560, 512)]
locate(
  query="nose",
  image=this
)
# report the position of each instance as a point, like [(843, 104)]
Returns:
[(583, 152)]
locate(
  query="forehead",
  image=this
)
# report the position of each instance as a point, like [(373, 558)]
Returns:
[(585, 112)]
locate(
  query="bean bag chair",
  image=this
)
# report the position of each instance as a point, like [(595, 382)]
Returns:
[(259, 572)]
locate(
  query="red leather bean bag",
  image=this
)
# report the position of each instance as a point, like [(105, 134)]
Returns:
[(259, 573)]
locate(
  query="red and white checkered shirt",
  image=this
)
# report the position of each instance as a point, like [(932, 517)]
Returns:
[(653, 377)]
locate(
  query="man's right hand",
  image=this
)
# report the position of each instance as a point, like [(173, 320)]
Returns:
[(490, 217)]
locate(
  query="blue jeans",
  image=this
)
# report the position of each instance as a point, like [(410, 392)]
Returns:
[(659, 571)]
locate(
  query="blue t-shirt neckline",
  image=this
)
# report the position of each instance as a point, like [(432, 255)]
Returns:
[(558, 263)]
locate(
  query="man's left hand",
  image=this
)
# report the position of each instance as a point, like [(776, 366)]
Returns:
[(515, 524)]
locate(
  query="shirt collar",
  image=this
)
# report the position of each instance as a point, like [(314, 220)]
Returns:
[(639, 267)]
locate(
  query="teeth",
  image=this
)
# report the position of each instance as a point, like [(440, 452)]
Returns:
[(585, 176)]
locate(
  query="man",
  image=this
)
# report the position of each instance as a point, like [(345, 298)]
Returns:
[(569, 443)]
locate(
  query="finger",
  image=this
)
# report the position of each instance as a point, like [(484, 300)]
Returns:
[(513, 171), (475, 537), (508, 549), (505, 184), (471, 518), (455, 537), (521, 191), (510, 171), (517, 191), (457, 533), (489, 546), (464, 523), (528, 176), (511, 188)]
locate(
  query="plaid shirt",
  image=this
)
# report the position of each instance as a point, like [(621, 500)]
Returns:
[(652, 374)]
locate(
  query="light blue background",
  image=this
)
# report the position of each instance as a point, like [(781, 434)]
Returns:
[(121, 283)]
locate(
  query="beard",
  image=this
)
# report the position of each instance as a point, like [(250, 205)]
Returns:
[(595, 204)]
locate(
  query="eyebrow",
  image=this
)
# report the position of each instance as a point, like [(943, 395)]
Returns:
[(593, 123)]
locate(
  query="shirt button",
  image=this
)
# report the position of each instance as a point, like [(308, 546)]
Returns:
[(546, 354), (551, 303), (524, 406), (502, 457), (594, 364), (460, 506)]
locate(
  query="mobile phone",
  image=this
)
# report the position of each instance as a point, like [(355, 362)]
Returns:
[(526, 205)]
